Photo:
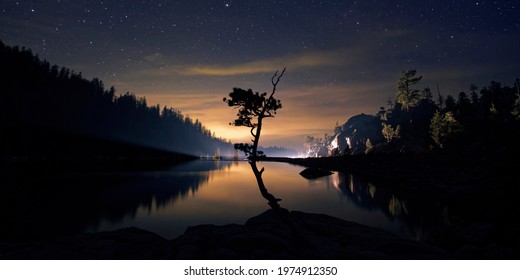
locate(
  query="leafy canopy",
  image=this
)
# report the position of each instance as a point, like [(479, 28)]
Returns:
[(251, 106)]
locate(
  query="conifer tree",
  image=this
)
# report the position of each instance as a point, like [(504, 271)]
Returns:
[(406, 96)]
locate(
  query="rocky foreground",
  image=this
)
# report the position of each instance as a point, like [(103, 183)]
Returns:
[(275, 234)]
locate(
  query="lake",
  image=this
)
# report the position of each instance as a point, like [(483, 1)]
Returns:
[(169, 199)]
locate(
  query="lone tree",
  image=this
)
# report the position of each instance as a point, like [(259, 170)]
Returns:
[(253, 108)]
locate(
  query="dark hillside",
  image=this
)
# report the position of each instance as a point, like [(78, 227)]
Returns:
[(46, 107)]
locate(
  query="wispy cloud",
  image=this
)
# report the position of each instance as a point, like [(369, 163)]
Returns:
[(300, 61), (155, 57), (34, 30)]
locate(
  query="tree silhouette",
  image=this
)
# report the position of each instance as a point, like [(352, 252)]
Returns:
[(253, 108), (406, 96)]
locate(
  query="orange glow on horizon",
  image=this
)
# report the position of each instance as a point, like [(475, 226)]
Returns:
[(306, 111)]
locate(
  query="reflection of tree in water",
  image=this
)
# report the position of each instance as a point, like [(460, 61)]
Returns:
[(366, 195), (272, 200), (121, 201), (396, 207), (48, 206), (420, 216), (155, 189)]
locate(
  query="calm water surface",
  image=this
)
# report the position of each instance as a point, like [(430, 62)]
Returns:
[(221, 192), (168, 200)]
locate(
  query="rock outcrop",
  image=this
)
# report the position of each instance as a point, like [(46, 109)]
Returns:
[(280, 234), (359, 129), (351, 137), (275, 234)]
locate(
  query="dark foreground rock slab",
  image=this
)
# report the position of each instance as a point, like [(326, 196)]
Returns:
[(280, 234), (275, 234)]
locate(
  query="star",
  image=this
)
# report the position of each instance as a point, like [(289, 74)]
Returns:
[(209, 52)]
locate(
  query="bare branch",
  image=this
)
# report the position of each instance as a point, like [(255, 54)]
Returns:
[(275, 83), (275, 76)]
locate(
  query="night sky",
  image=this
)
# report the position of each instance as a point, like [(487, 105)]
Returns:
[(342, 57)]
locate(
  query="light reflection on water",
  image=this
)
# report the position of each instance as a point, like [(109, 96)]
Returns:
[(49, 205), (221, 192)]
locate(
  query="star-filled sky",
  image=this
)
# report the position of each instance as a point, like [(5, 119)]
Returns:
[(342, 57)]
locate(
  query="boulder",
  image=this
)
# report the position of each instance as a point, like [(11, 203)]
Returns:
[(313, 173), (358, 129)]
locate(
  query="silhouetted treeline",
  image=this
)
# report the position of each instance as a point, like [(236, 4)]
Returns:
[(41, 103), (485, 121)]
